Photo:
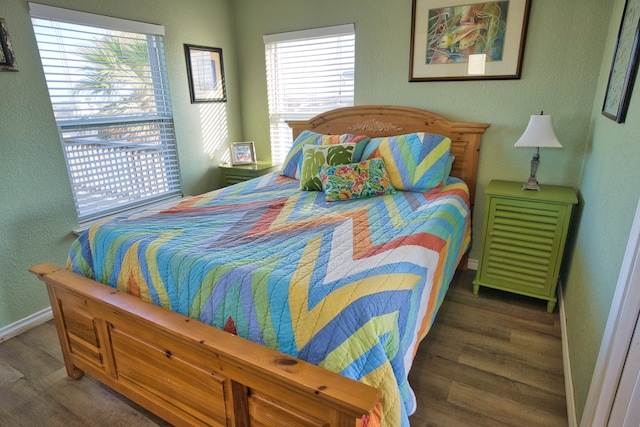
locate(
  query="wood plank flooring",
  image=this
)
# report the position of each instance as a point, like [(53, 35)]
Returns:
[(489, 360), (35, 389)]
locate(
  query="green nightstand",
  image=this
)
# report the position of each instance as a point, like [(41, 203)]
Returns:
[(233, 174), (524, 236)]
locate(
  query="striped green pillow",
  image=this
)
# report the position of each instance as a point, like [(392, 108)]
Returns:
[(415, 162)]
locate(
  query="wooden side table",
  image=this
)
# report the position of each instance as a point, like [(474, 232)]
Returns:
[(232, 174), (524, 236)]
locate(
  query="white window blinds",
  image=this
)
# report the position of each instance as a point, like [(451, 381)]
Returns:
[(308, 72), (109, 91)]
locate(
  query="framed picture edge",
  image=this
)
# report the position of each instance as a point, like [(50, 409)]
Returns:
[(190, 77), (526, 5), (620, 114), (9, 63), (252, 152)]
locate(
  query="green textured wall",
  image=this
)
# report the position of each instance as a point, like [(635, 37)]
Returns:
[(36, 206), (609, 193)]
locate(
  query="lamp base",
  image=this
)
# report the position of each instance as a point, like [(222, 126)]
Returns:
[(531, 184)]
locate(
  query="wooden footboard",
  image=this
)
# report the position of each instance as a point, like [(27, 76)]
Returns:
[(187, 372)]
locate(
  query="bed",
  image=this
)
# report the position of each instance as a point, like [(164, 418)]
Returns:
[(318, 307)]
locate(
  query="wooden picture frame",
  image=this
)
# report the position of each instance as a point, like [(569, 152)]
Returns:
[(7, 58), (624, 65), (243, 153), (205, 70), (454, 40)]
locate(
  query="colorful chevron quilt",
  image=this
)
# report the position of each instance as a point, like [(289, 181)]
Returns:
[(351, 286)]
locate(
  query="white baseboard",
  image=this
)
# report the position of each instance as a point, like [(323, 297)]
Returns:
[(566, 364), (22, 325)]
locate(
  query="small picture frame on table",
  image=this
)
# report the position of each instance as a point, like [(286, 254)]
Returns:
[(243, 153)]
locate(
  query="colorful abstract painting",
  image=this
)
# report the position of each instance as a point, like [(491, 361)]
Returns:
[(455, 32)]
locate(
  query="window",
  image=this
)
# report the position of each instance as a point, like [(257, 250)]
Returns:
[(108, 86), (308, 72)]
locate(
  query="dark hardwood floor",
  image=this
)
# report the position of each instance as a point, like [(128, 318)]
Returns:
[(489, 360)]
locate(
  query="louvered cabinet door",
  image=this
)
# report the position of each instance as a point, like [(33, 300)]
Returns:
[(524, 238)]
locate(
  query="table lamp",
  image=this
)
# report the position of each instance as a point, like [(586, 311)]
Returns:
[(539, 133)]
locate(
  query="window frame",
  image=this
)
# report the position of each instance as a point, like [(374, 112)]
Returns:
[(133, 154), (344, 35)]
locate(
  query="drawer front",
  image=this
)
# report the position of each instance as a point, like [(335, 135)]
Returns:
[(232, 176), (523, 245)]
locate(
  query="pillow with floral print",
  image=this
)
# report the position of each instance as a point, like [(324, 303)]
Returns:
[(356, 180)]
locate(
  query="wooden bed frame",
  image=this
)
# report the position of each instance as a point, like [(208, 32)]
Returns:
[(190, 373)]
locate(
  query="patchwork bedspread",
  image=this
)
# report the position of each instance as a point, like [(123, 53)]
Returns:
[(351, 286)]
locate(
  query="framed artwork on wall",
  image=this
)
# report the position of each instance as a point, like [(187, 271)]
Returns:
[(7, 58), (243, 153), (625, 64), (206, 74), (457, 40)]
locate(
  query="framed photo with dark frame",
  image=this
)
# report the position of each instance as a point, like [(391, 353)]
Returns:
[(7, 58), (206, 73), (625, 64), (458, 40), (243, 153)]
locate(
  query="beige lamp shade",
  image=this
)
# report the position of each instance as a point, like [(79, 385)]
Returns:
[(539, 133)]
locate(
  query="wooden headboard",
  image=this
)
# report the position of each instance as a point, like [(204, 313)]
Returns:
[(388, 120)]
